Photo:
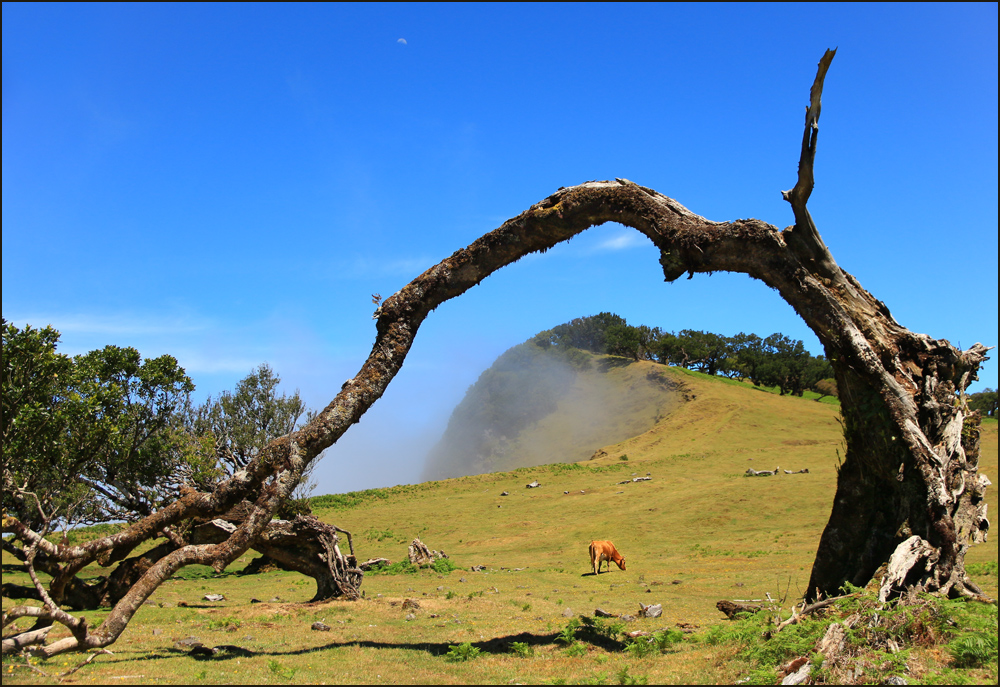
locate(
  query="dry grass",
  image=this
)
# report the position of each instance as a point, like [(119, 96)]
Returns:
[(698, 532)]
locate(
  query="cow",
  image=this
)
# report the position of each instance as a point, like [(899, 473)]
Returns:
[(604, 551)]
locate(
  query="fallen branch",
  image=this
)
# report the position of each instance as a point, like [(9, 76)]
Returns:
[(797, 615), (14, 644)]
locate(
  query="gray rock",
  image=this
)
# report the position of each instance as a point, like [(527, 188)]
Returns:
[(567, 613), (214, 597), (157, 631), (320, 627), (410, 616), (601, 613), (187, 643), (651, 611), (627, 618)]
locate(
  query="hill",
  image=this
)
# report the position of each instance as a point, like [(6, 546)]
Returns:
[(536, 406)]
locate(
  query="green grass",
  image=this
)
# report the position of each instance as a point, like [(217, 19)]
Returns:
[(694, 534)]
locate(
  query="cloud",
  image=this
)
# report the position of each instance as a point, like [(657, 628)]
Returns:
[(402, 41), (623, 240), (114, 325)]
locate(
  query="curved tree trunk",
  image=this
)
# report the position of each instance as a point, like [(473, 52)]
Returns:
[(912, 445)]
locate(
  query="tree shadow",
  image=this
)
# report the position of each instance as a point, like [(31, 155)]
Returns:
[(496, 645)]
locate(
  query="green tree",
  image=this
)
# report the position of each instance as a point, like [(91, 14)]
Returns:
[(985, 402), (91, 438)]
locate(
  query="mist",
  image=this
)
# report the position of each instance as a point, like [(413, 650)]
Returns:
[(536, 406)]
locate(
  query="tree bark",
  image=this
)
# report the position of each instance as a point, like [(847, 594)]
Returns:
[(912, 445)]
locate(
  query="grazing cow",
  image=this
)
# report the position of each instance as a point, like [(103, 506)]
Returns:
[(604, 551)]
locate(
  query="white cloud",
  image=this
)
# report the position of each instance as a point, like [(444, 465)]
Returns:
[(627, 239)]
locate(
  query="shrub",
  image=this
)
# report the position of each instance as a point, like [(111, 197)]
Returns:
[(974, 651), (568, 634), (462, 652), (522, 649), (443, 566), (402, 567)]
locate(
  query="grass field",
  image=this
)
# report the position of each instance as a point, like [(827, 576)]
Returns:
[(697, 532)]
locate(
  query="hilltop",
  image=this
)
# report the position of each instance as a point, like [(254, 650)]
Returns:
[(538, 406), (568, 391)]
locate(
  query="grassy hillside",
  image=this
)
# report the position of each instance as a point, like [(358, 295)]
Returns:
[(699, 531), (536, 406)]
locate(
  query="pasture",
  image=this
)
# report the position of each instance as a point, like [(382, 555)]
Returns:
[(697, 532)]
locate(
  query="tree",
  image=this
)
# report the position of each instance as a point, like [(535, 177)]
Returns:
[(908, 489), (985, 402), (88, 439)]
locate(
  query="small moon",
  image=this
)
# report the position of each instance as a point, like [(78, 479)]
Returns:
[(402, 41)]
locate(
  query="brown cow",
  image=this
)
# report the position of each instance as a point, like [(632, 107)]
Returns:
[(601, 551)]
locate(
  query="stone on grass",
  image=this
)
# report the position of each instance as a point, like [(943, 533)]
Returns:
[(651, 611)]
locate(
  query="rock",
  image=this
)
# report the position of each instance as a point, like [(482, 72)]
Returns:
[(677, 582), (275, 600), (157, 631), (166, 604), (833, 642), (732, 608), (461, 579), (149, 602), (255, 601), (320, 627), (651, 611), (410, 616), (504, 493), (800, 674), (638, 633), (895, 680), (187, 643), (627, 618), (601, 613), (565, 492), (440, 588), (411, 603), (477, 568), (214, 597), (567, 613), (533, 485)]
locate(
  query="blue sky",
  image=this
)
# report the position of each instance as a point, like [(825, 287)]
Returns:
[(230, 183)]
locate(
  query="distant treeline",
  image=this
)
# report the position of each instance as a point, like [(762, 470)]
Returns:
[(985, 402), (775, 361)]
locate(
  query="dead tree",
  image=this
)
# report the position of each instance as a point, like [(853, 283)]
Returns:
[(912, 445)]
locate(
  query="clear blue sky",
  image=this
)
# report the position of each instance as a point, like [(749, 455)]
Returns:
[(230, 183)]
